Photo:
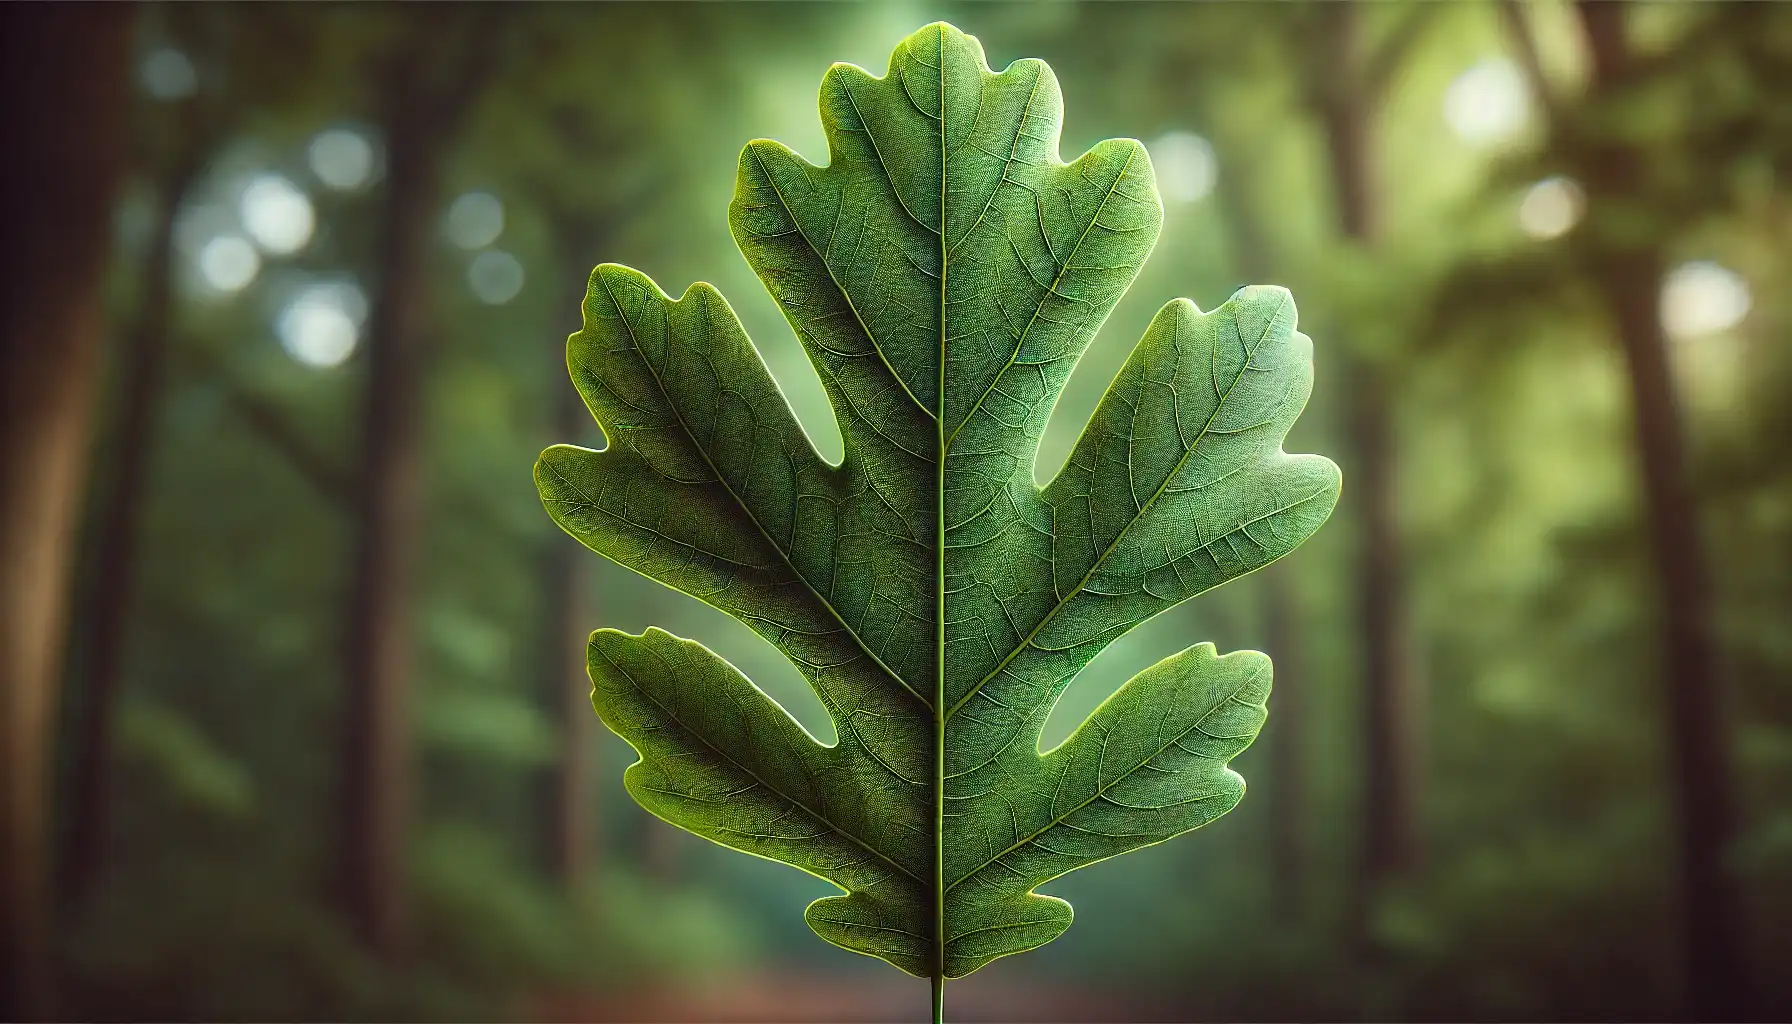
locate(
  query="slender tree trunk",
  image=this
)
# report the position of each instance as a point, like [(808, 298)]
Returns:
[(376, 776), (429, 85), (1391, 697), (139, 390), (1390, 828), (567, 795), (64, 71), (1713, 953), (1287, 746), (567, 798)]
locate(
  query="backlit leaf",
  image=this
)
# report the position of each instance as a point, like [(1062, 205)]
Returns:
[(943, 272)]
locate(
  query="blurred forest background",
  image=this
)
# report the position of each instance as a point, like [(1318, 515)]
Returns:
[(294, 712)]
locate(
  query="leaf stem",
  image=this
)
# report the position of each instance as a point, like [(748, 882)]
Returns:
[(939, 999)]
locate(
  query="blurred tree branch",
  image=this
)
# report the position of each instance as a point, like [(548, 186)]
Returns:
[(1515, 18), (1391, 54), (279, 432)]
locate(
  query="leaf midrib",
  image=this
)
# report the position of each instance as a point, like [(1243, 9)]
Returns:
[(939, 582)]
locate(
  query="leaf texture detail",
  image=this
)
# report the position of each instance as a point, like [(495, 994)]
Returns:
[(943, 272)]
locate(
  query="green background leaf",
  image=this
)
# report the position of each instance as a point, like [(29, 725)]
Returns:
[(943, 272)]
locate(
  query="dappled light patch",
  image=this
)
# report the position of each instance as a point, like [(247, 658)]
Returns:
[(495, 277), (228, 263), (1185, 165), (321, 326), (1487, 104), (1551, 208), (474, 220), (277, 214), (341, 158)]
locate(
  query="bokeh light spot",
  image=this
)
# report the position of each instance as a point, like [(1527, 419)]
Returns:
[(277, 215), (167, 75), (475, 220), (1550, 208), (341, 158), (1703, 298), (228, 263), (1487, 104), (1185, 165), (495, 277), (321, 326)]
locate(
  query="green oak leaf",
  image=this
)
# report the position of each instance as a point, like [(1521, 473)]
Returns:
[(943, 272)]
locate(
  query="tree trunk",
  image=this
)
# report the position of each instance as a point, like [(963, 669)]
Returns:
[(64, 71), (376, 773), (139, 390), (429, 86), (1390, 833), (1697, 730), (1713, 954), (567, 799), (1287, 746), (1391, 697), (376, 796), (1389, 841)]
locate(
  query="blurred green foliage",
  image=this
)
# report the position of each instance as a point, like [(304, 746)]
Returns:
[(610, 131)]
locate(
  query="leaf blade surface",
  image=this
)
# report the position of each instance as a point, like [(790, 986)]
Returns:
[(943, 272)]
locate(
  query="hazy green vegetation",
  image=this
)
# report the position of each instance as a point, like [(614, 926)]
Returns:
[(284, 331)]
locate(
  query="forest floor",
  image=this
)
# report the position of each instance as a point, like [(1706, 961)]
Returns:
[(793, 997)]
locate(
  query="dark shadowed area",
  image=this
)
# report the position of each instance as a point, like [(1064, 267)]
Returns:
[(293, 709)]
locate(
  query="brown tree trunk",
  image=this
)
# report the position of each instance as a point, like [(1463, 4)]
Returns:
[(1287, 746), (376, 793), (64, 71), (1392, 700), (1713, 954), (139, 389), (1713, 957), (567, 799), (1391, 727), (429, 87)]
